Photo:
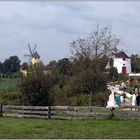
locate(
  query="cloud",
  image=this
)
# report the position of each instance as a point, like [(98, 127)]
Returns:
[(53, 25)]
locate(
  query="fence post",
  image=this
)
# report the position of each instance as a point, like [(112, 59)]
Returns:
[(49, 112), (112, 112), (1, 110)]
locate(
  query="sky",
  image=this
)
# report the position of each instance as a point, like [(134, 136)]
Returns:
[(53, 25)]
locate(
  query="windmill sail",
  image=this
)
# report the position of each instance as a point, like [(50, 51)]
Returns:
[(31, 52)]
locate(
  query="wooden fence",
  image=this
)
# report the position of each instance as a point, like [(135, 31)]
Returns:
[(68, 112)]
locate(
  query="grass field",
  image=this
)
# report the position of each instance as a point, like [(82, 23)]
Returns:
[(7, 86), (35, 128)]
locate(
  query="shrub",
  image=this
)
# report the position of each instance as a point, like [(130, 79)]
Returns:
[(101, 98), (35, 87), (81, 100), (11, 98)]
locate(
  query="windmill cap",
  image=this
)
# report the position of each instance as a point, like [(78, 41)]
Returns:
[(36, 55)]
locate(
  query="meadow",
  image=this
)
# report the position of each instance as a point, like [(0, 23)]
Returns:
[(65, 129), (8, 86)]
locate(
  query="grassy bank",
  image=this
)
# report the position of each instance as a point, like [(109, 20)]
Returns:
[(34, 128)]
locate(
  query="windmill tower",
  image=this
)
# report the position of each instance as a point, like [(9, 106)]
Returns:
[(34, 57)]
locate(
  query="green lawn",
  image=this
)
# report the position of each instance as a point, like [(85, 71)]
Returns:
[(35, 128), (7, 85)]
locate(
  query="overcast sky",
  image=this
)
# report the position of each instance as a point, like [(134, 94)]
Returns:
[(53, 25)]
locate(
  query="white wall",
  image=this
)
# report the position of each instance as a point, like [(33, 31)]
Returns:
[(118, 63)]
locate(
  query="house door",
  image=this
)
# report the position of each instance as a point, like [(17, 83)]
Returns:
[(123, 70)]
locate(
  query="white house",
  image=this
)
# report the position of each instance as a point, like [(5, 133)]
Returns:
[(122, 62)]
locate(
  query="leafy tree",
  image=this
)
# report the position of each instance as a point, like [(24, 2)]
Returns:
[(35, 88), (64, 66), (15, 63), (11, 65), (52, 64), (6, 66), (62, 70), (135, 62)]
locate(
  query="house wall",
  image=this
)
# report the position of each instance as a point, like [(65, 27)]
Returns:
[(119, 63)]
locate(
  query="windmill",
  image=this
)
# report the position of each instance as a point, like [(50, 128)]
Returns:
[(32, 53)]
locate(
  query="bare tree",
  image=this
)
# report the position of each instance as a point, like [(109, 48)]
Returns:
[(99, 43), (89, 50)]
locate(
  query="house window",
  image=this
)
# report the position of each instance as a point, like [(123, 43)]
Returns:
[(123, 59)]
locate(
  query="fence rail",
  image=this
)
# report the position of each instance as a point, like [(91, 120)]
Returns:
[(68, 112)]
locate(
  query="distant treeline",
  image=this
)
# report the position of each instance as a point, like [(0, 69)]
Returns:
[(9, 67), (2, 75)]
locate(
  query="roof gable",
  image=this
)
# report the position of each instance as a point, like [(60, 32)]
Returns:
[(121, 55)]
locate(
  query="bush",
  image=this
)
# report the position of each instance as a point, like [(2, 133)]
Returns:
[(60, 95), (101, 98), (11, 98), (12, 95), (81, 100), (35, 87)]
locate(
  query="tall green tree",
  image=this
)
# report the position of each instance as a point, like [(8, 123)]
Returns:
[(64, 66), (11, 65)]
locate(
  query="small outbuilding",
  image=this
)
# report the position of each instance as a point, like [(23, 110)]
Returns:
[(122, 63)]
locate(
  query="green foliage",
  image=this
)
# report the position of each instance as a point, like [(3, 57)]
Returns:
[(113, 74), (11, 65), (101, 98), (11, 98), (35, 87), (80, 100), (135, 62), (75, 92), (64, 66), (122, 77), (61, 95)]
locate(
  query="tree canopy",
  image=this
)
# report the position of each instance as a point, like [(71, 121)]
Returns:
[(10, 65), (35, 86)]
